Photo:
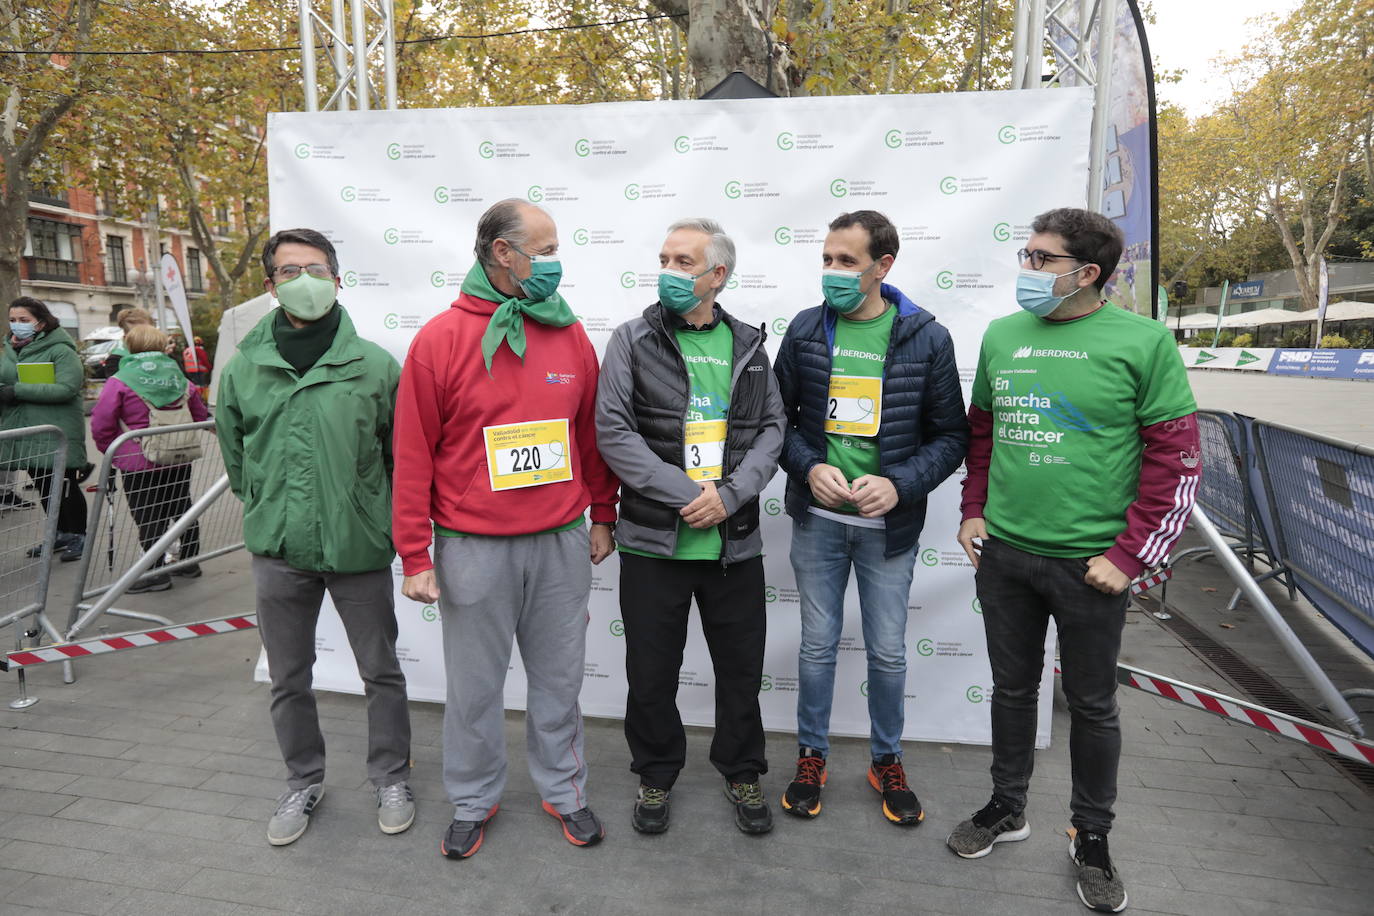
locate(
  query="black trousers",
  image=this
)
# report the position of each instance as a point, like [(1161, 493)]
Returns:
[(71, 510), (655, 601), (156, 499)]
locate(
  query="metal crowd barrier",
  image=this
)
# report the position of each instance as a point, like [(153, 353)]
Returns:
[(24, 526)]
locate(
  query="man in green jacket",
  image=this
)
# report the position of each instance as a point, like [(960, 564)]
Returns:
[(304, 421)]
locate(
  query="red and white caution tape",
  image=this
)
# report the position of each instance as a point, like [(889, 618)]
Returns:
[(27, 658), (1150, 581), (1309, 733)]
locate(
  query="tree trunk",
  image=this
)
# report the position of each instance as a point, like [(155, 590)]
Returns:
[(728, 35)]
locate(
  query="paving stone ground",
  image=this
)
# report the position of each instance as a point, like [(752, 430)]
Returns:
[(145, 788)]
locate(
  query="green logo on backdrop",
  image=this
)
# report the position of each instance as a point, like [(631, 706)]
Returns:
[(786, 140), (441, 194), (436, 279), (975, 695), (583, 148), (944, 279), (348, 193), (393, 151), (535, 193), (925, 647), (1245, 358), (429, 612), (683, 144), (772, 506), (782, 235), (1006, 134), (581, 236), (892, 139), (632, 191), (930, 556), (302, 150), (732, 189), (770, 594), (391, 236), (949, 184), (392, 321), (780, 325), (839, 187), (766, 683), (863, 688), (977, 606), (350, 278), (617, 627), (485, 149), (628, 279), (1204, 357), (1001, 232)]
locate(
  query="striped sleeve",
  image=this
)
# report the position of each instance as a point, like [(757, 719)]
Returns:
[(1170, 469)]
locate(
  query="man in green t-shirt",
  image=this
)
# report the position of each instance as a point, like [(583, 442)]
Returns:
[(1082, 471), (689, 419)]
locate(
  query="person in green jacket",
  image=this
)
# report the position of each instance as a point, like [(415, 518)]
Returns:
[(40, 383), (304, 420)]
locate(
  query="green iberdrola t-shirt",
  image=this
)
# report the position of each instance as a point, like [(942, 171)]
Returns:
[(853, 410), (709, 356), (1068, 400)]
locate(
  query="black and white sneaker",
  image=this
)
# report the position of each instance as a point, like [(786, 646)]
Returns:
[(1099, 886), (995, 823)]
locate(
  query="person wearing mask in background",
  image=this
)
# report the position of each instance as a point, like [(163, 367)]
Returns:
[(304, 422), (41, 379), (126, 319), (197, 363), (875, 423), (149, 387)]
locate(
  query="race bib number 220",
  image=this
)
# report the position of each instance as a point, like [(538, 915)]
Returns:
[(528, 454)]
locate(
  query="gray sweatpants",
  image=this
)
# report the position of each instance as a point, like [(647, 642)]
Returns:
[(533, 588), (288, 608)]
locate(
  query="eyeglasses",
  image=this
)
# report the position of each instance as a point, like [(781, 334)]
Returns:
[(289, 272), (1038, 258)]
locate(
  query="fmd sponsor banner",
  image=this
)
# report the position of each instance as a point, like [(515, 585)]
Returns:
[(1346, 364), (1251, 359), (961, 175)]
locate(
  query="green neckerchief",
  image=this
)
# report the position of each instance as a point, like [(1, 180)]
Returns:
[(154, 376), (508, 321), (303, 347)]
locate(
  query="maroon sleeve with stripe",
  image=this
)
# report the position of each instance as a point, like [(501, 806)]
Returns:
[(1169, 472), (976, 463)]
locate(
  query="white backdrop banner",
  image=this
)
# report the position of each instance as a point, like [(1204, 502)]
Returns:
[(961, 175)]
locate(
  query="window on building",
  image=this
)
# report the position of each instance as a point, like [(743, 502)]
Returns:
[(118, 274), (222, 226), (195, 281), (53, 250)]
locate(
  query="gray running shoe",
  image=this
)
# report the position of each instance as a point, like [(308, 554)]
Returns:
[(1099, 886), (995, 823), (395, 808), (293, 814)]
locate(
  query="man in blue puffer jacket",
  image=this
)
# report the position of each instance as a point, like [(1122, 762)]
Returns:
[(875, 421)]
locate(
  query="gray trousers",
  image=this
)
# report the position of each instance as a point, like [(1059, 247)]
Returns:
[(532, 588), (288, 608)]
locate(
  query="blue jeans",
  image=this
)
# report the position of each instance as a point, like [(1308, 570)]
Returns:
[(822, 553)]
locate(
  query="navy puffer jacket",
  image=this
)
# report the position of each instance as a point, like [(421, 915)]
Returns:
[(924, 434)]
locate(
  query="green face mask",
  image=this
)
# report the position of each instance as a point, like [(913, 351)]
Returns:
[(677, 290), (841, 288), (546, 271), (307, 298)]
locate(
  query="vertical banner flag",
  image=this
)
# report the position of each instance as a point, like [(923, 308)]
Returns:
[(1323, 294), (1163, 315), (176, 291), (1221, 312), (1130, 174), (960, 174)]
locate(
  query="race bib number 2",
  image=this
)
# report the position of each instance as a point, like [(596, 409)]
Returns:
[(703, 451), (854, 405), (528, 454)]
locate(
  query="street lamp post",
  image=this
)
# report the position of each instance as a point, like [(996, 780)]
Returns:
[(144, 283)]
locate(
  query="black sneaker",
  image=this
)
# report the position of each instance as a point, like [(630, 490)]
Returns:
[(900, 804), (803, 795), (751, 810), (651, 810), (75, 548), (188, 572), (59, 544), (994, 823), (158, 582), (464, 838), (12, 500), (1099, 886), (581, 827)]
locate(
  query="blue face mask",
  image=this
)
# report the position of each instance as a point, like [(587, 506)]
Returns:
[(1035, 291), (677, 290), (23, 330)]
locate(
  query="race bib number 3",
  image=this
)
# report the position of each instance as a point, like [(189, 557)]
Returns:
[(703, 451), (854, 405), (528, 454)]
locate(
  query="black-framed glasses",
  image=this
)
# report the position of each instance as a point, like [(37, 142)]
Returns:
[(1038, 258), (289, 272)]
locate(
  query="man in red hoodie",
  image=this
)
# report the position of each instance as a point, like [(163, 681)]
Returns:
[(495, 450)]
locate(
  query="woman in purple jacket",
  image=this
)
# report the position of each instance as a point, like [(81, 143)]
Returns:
[(149, 380)]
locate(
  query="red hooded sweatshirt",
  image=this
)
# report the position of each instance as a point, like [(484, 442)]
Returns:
[(445, 399)]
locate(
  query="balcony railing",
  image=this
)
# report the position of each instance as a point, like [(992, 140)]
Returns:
[(53, 269)]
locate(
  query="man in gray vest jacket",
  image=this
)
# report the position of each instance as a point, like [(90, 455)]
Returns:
[(689, 419)]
